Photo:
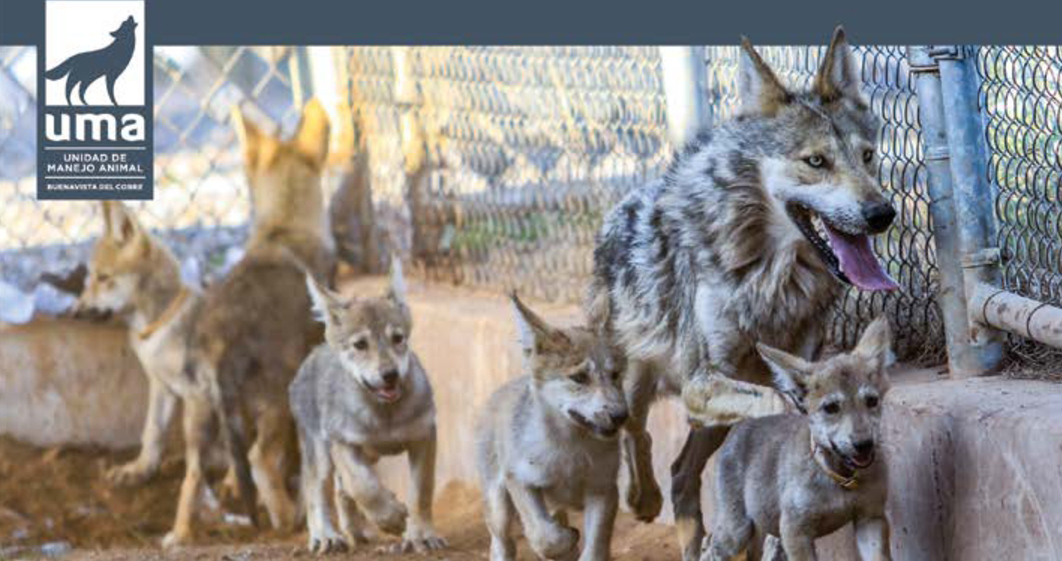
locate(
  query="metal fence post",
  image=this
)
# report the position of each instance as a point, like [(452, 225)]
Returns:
[(684, 83), (973, 200), (962, 358)]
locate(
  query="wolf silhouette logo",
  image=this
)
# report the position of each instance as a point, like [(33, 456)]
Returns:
[(109, 62)]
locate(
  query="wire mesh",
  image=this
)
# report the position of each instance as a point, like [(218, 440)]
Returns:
[(201, 205), (1021, 107)]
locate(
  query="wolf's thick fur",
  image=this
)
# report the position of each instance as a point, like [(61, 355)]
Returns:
[(692, 270), (255, 327), (801, 477), (134, 276), (108, 63), (546, 441), (363, 395)]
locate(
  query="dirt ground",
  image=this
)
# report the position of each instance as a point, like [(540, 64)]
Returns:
[(57, 502)]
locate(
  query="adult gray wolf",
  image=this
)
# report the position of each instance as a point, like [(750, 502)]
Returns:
[(547, 441), (362, 395), (743, 240), (801, 477)]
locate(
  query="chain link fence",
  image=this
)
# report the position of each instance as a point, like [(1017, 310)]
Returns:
[(493, 166), (201, 205), (1020, 97)]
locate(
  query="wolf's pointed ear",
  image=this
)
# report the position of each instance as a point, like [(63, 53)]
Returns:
[(535, 335), (397, 291), (759, 90), (249, 135), (119, 222), (790, 372), (838, 74), (876, 343), (311, 138), (326, 304)]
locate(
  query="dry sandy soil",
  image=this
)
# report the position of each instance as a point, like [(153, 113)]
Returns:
[(59, 497)]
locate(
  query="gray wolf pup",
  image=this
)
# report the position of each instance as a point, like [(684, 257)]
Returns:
[(743, 240), (254, 327), (362, 395), (133, 275), (548, 440), (801, 477), (109, 63)]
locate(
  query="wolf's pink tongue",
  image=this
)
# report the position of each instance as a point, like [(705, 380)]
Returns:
[(858, 261)]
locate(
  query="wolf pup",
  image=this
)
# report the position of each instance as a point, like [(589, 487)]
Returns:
[(134, 276), (801, 477), (109, 63), (255, 326), (547, 441), (362, 395), (749, 237)]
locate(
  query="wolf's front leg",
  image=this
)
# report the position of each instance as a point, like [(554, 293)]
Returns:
[(316, 469), (599, 517), (643, 493), (197, 425), (161, 403), (359, 480), (715, 400), (872, 539), (548, 538), (796, 541), (420, 532)]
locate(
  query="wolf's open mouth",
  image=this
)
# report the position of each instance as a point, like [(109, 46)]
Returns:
[(593, 427), (848, 256), (386, 394), (854, 462)]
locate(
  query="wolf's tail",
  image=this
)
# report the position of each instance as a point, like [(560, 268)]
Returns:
[(236, 447), (59, 71)]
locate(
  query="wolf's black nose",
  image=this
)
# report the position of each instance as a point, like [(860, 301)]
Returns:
[(878, 216), (618, 418), (864, 448), (389, 377)]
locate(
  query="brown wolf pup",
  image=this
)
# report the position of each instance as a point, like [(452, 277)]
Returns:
[(801, 477), (255, 327)]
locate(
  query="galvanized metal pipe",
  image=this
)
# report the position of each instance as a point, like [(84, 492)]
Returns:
[(972, 190), (963, 360), (687, 108), (1017, 314)]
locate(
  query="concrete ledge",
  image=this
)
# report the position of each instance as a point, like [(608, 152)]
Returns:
[(976, 465)]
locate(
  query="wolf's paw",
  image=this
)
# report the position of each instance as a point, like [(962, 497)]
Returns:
[(419, 540), (645, 499), (327, 541), (559, 544), (176, 538), (391, 518), (130, 474)]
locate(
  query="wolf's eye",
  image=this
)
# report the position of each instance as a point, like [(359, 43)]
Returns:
[(868, 156), (872, 401), (580, 377), (361, 344), (398, 339), (816, 161), (102, 277), (831, 408)]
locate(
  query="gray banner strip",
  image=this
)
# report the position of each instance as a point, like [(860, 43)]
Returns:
[(700, 22)]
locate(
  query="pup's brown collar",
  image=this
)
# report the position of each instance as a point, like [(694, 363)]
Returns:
[(849, 483), (166, 314)]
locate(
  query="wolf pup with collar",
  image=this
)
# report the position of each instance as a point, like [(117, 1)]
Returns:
[(801, 477), (361, 395), (750, 237), (134, 276), (547, 441)]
